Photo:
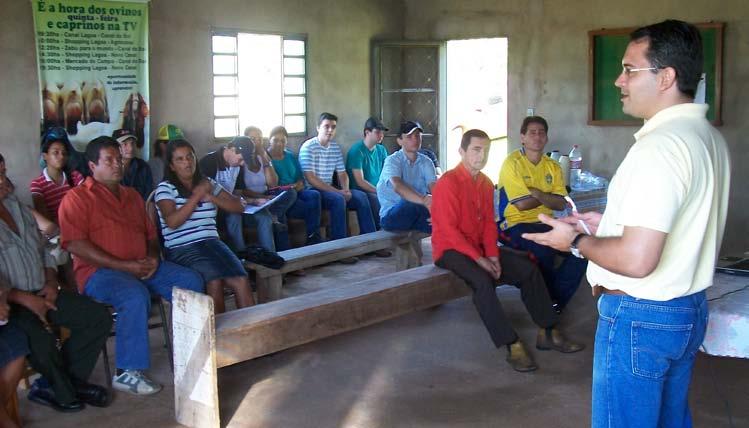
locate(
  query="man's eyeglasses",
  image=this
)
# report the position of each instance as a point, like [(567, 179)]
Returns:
[(627, 71)]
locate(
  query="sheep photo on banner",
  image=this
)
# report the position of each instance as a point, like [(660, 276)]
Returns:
[(93, 67)]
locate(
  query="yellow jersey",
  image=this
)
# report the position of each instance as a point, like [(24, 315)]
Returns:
[(516, 176)]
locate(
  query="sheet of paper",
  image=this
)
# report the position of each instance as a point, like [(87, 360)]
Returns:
[(252, 209)]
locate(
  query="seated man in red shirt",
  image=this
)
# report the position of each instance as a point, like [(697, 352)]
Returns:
[(104, 225), (464, 240)]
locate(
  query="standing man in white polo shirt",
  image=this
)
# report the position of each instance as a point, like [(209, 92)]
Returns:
[(655, 246)]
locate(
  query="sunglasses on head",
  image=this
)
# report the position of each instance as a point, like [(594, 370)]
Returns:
[(55, 134)]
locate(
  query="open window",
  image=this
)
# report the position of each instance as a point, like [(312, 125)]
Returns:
[(260, 80)]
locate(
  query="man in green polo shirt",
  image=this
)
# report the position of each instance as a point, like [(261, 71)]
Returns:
[(364, 163)]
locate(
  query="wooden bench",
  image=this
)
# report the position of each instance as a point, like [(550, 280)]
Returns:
[(204, 342), (407, 246)]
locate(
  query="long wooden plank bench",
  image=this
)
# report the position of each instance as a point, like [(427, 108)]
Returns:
[(204, 342), (407, 246)]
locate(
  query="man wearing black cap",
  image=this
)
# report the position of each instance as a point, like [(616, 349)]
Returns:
[(136, 172), (364, 163), (225, 166), (406, 182)]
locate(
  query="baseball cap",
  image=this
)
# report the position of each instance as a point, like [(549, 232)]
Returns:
[(407, 128), (244, 146), (374, 123), (121, 135), (170, 132)]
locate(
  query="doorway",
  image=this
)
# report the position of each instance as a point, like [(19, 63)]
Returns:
[(476, 97)]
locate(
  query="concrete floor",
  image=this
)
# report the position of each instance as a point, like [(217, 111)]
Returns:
[(435, 368)]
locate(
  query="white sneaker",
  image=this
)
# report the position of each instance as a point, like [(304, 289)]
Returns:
[(135, 382)]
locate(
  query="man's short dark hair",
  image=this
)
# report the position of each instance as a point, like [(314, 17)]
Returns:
[(674, 44), (326, 116), (2, 159), (93, 149), (533, 119), (468, 135)]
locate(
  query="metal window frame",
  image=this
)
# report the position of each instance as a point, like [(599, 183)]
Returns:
[(230, 32)]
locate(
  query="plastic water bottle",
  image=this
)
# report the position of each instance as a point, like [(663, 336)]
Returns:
[(576, 166), (564, 162)]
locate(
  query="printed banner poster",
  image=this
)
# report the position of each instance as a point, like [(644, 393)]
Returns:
[(93, 67)]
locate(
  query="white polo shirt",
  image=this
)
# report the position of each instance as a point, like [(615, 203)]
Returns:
[(674, 179)]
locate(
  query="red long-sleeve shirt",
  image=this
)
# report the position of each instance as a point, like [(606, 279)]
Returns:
[(463, 215)]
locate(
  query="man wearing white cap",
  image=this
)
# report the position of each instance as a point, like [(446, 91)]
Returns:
[(406, 182), (136, 172)]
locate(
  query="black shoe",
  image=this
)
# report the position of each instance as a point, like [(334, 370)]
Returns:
[(557, 308), (314, 239), (46, 397), (382, 253), (93, 395)]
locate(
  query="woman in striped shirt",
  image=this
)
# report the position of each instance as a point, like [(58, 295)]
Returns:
[(187, 204)]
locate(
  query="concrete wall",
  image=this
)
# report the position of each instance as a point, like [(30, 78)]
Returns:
[(19, 89), (339, 35), (547, 66), (548, 48)]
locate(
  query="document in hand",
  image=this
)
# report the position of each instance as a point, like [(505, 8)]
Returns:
[(252, 209)]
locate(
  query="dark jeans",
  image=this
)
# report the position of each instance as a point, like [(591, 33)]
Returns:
[(407, 215), (562, 281), (307, 207), (374, 204), (336, 204), (280, 210), (89, 324), (516, 270)]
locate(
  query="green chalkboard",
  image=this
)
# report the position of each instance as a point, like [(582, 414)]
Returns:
[(606, 48)]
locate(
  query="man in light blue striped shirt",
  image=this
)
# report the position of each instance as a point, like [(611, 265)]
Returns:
[(320, 157)]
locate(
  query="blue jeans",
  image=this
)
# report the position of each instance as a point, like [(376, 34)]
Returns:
[(336, 204), (563, 281), (262, 220), (280, 209), (407, 215), (643, 358), (374, 204), (307, 207), (131, 298)]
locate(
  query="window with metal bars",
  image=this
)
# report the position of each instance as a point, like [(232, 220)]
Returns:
[(258, 80)]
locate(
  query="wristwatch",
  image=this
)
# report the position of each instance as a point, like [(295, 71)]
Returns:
[(573, 246)]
